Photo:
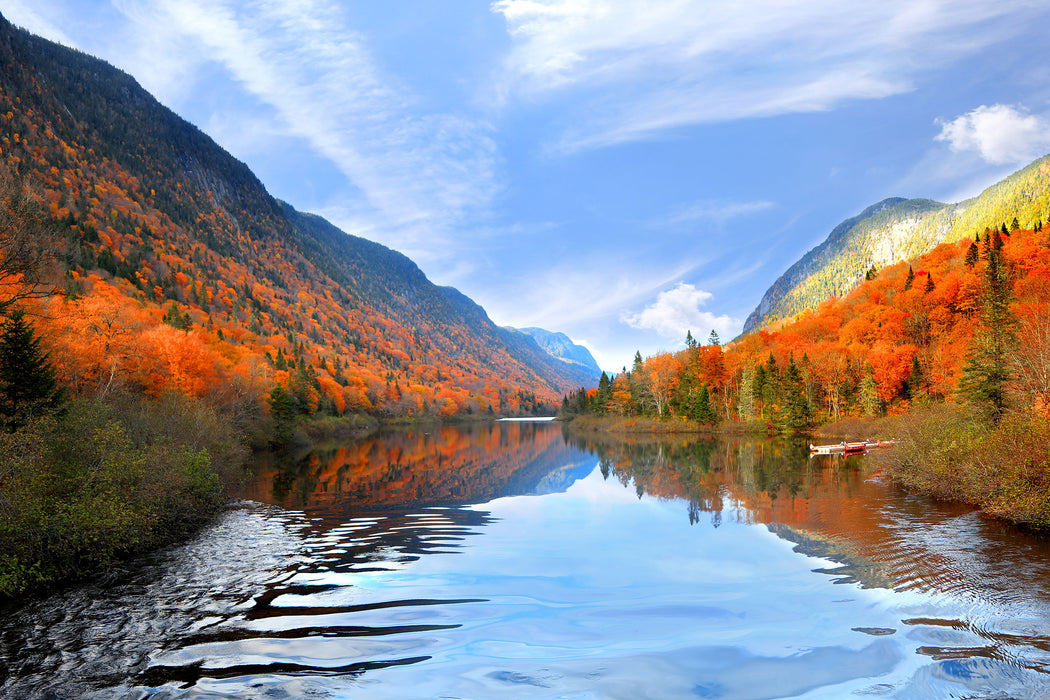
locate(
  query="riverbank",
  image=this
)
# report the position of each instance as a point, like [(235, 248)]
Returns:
[(949, 454), (105, 481)]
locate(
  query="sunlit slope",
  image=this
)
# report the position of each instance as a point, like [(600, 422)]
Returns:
[(898, 229)]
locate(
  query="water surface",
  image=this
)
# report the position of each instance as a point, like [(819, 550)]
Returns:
[(510, 561)]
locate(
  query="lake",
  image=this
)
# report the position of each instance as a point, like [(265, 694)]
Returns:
[(512, 560)]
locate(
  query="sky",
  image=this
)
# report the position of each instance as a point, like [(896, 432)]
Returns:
[(622, 172)]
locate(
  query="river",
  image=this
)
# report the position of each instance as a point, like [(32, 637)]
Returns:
[(510, 560)]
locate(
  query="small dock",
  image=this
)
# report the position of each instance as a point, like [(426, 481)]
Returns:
[(850, 447)]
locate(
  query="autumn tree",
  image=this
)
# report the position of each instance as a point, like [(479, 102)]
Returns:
[(661, 376), (27, 245)]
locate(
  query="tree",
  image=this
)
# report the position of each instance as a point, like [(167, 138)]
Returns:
[(972, 253), (909, 279), (916, 380), (713, 339), (987, 371), (746, 396), (702, 412), (282, 410), (797, 417), (28, 383), (27, 245)]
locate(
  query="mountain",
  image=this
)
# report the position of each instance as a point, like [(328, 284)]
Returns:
[(900, 229), (561, 346), (206, 281)]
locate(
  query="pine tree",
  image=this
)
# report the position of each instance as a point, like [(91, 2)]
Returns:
[(28, 382), (1015, 224), (972, 254), (929, 284), (702, 410), (916, 380), (283, 411), (713, 339), (986, 372), (909, 279), (797, 416)]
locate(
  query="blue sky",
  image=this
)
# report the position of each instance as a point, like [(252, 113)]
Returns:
[(618, 171)]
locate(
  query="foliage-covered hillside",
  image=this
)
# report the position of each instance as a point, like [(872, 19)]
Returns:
[(180, 272), (965, 323), (895, 230)]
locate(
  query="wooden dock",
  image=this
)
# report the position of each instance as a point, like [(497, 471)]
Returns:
[(850, 447)]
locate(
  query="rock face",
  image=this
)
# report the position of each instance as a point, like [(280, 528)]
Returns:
[(900, 229)]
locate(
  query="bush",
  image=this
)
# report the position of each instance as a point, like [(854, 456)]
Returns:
[(953, 455), (99, 483)]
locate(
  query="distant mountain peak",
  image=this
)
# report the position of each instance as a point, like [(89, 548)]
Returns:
[(561, 346), (898, 229)]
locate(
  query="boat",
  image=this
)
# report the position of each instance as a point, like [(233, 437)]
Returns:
[(850, 447)]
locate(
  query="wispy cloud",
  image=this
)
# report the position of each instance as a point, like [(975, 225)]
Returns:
[(644, 69), (32, 16), (678, 310), (714, 211), (418, 173), (1000, 134)]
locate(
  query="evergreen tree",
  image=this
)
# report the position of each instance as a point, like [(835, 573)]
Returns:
[(702, 411), (28, 382), (796, 412), (972, 253), (713, 339), (916, 380), (1015, 224), (929, 284), (601, 400), (868, 394), (690, 341), (176, 319), (283, 411), (910, 279), (871, 274), (986, 372)]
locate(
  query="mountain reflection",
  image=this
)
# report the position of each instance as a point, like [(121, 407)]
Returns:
[(831, 507), (406, 469)]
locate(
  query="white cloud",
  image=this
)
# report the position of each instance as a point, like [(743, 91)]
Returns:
[(416, 174), (1000, 134), (677, 311), (640, 69)]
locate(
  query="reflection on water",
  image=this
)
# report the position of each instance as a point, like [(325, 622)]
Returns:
[(514, 561)]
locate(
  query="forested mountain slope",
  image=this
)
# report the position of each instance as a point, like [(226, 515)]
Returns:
[(181, 271), (898, 229)]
